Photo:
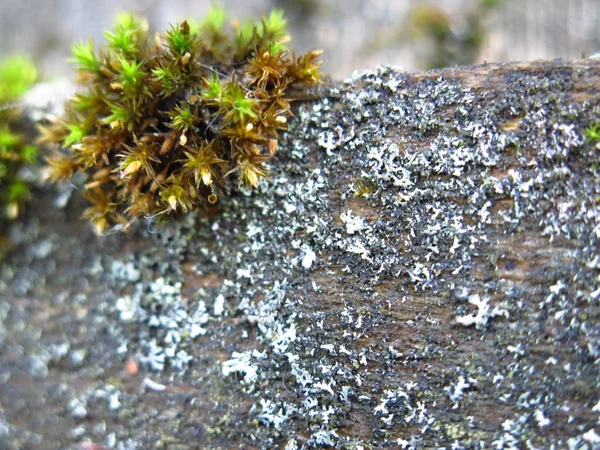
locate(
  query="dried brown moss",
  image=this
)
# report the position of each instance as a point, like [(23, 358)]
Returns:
[(164, 119)]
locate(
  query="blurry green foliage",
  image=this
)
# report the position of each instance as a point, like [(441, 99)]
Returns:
[(17, 75), (454, 40), (593, 133)]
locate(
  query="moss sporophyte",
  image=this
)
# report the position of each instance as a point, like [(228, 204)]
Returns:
[(166, 118)]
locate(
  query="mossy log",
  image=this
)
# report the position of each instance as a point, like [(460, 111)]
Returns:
[(421, 270)]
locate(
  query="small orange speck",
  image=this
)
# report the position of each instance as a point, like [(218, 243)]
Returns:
[(272, 147), (131, 366)]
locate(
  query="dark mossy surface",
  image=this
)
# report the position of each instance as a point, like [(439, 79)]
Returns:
[(420, 271)]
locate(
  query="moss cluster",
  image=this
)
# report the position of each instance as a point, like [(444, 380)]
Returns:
[(165, 118), (17, 75)]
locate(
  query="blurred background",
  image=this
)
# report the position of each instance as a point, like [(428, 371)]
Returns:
[(355, 34)]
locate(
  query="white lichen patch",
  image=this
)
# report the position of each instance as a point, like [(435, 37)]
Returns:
[(308, 257), (241, 362), (484, 313), (456, 391), (128, 307), (273, 414), (354, 223), (219, 305)]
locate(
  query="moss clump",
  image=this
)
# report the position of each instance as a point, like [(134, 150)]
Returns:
[(17, 75), (165, 119)]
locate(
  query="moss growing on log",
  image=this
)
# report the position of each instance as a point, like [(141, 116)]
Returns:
[(164, 120)]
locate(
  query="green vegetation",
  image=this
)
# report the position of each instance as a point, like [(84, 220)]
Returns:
[(17, 75), (165, 119), (453, 40), (593, 133)]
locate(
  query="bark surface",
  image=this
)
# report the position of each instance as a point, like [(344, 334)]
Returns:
[(422, 270)]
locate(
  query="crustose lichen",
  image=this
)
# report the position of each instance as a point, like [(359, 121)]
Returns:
[(165, 118)]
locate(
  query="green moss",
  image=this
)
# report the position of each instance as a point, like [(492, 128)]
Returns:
[(164, 121), (17, 75), (593, 133), (363, 188)]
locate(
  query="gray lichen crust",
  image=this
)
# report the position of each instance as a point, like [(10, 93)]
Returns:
[(422, 270)]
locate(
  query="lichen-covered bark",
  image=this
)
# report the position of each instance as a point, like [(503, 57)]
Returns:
[(422, 270)]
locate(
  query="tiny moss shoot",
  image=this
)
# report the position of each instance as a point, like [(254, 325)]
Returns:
[(165, 118), (17, 75), (593, 133)]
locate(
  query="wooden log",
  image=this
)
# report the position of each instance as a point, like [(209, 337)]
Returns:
[(421, 270)]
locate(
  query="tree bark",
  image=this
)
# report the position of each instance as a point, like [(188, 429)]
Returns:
[(421, 270)]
